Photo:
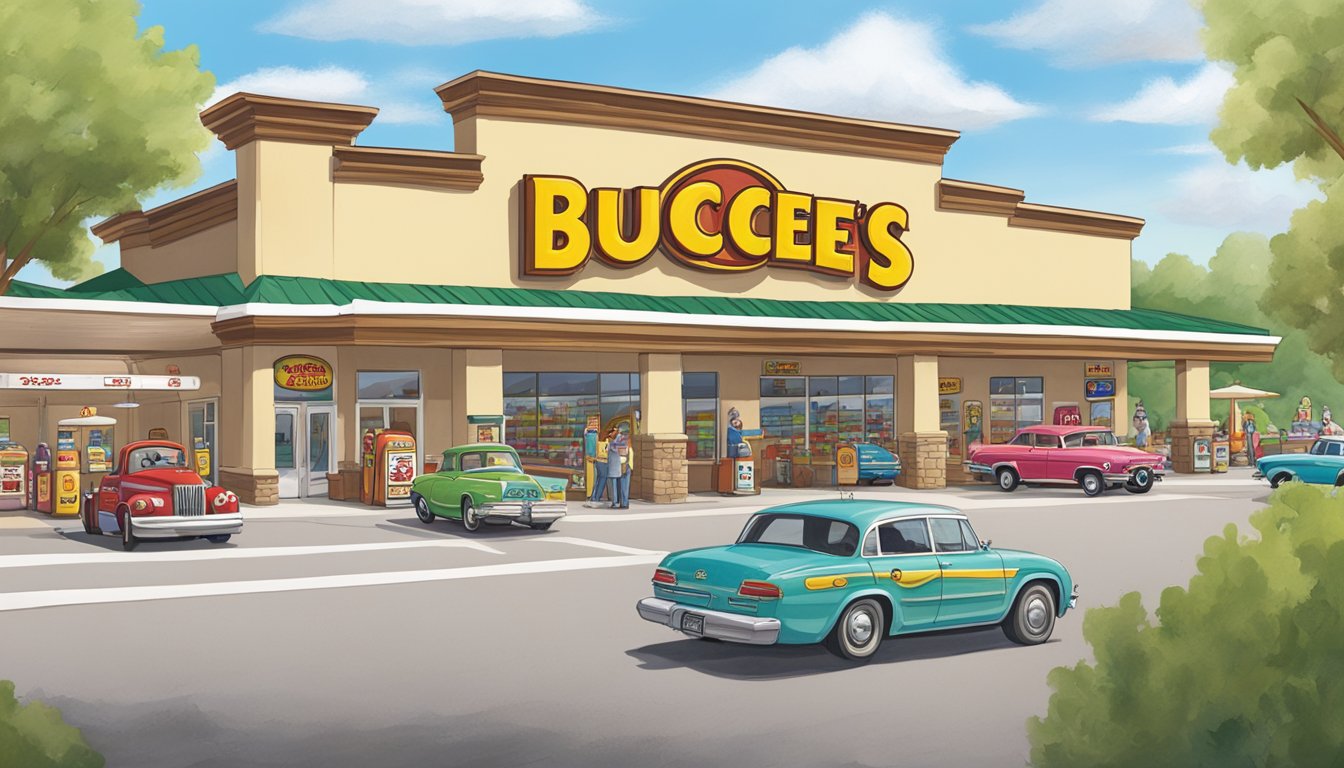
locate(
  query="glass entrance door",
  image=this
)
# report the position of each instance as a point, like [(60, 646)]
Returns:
[(321, 419), (289, 450), (202, 415)]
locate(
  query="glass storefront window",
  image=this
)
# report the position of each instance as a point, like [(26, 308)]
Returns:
[(700, 403), (1014, 402), (879, 419), (388, 385), (823, 415), (546, 413), (817, 413)]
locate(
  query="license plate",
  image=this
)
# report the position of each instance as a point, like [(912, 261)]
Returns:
[(693, 623)]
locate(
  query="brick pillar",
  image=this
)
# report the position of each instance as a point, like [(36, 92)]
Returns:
[(1182, 444), (922, 446), (660, 448), (255, 486), (660, 468)]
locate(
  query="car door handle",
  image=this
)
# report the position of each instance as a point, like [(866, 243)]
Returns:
[(945, 563)]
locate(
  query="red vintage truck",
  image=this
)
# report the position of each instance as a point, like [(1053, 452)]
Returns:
[(152, 493)]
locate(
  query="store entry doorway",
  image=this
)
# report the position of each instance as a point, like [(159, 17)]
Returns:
[(303, 448)]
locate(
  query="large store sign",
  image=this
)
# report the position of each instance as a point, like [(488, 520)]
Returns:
[(92, 382), (717, 216), (300, 377)]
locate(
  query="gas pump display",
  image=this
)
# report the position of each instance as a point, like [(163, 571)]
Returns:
[(42, 496), (13, 476), (394, 467), (65, 481)]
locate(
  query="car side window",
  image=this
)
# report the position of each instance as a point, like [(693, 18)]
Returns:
[(1047, 441), (471, 461), (870, 544), (947, 535), (1333, 448), (1073, 441), (1022, 439), (903, 537), (968, 537), (1318, 448)]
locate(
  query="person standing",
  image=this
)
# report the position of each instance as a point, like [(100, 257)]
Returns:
[(627, 471), (615, 442), (599, 460)]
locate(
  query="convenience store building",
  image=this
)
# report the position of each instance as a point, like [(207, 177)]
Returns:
[(592, 251)]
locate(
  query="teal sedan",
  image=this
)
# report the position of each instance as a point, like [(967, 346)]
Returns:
[(852, 572), (485, 483), (1322, 464)]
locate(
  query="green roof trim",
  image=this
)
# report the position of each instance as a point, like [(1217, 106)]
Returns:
[(115, 280), (225, 290)]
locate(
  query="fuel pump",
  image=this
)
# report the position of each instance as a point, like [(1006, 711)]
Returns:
[(13, 476), (42, 487)]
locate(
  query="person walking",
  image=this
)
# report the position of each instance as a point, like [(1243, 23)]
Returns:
[(615, 442), (599, 460)]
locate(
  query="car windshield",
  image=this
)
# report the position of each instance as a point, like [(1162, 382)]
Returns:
[(819, 534), (155, 457), (1088, 439), (487, 460)]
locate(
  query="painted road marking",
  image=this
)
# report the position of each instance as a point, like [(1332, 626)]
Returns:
[(19, 601), (589, 543), (121, 558)]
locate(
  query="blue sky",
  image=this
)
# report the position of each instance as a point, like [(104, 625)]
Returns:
[(1083, 104)]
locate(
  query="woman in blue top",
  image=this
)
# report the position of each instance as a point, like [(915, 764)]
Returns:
[(618, 444)]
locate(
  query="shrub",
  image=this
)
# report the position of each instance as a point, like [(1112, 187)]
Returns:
[(1245, 668), (33, 735)]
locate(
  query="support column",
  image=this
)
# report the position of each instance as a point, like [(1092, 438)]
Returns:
[(1192, 413), (660, 447), (478, 389), (922, 444), (247, 426)]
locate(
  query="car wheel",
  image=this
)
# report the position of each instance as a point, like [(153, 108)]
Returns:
[(1141, 481), (1279, 479), (858, 633), (422, 509), (541, 526), (1006, 478), (470, 519), (1032, 619), (88, 516), (219, 538), (128, 540), (1092, 483)]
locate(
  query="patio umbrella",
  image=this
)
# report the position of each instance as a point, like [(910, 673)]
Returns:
[(1234, 393)]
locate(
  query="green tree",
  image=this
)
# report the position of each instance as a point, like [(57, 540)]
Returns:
[(93, 115), (1229, 289), (33, 735), (1245, 666), (1287, 107)]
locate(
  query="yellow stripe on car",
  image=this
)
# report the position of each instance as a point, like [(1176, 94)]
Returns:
[(834, 581)]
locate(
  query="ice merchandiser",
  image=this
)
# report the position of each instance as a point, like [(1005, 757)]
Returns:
[(13, 476)]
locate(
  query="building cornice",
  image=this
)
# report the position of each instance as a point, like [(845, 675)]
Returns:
[(973, 197), (246, 117), (493, 95), (172, 221), (382, 165)]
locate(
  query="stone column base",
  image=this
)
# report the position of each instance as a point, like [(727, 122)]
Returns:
[(923, 459), (253, 486), (1182, 436), (660, 468)]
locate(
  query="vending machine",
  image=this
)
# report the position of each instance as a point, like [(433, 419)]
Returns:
[(394, 465), (65, 483), (85, 451), (13, 476)]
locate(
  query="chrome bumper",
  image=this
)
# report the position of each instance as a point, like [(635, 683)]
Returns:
[(521, 512), (978, 469), (1073, 598), (1257, 475), (170, 526), (732, 627)]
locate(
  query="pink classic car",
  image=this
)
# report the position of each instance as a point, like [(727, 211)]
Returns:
[(1086, 456)]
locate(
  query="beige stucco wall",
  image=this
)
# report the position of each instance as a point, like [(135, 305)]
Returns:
[(1063, 383), (213, 251), (406, 234), (435, 366)]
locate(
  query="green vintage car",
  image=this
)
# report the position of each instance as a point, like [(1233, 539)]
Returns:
[(850, 573), (485, 483)]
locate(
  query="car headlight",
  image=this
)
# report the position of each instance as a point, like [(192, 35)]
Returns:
[(221, 500), (140, 505)]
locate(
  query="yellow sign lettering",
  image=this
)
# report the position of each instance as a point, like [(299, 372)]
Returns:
[(557, 241)]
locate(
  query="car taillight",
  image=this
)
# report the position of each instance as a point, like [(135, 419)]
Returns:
[(664, 576), (751, 588)]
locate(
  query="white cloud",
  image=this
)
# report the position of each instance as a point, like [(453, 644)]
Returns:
[(433, 22), (322, 84), (1188, 149), (881, 68), (1235, 198), (340, 85), (1164, 101), (1091, 33)]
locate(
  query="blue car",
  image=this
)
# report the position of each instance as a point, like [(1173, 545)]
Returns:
[(876, 464), (1322, 464)]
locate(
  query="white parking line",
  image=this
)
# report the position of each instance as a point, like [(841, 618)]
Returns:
[(18, 601), (588, 543), (195, 555)]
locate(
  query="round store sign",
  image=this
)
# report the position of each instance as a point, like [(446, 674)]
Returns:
[(300, 373)]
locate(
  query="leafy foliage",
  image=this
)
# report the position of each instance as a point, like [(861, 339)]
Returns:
[(1231, 289), (1244, 668), (93, 115), (33, 735), (1286, 52)]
